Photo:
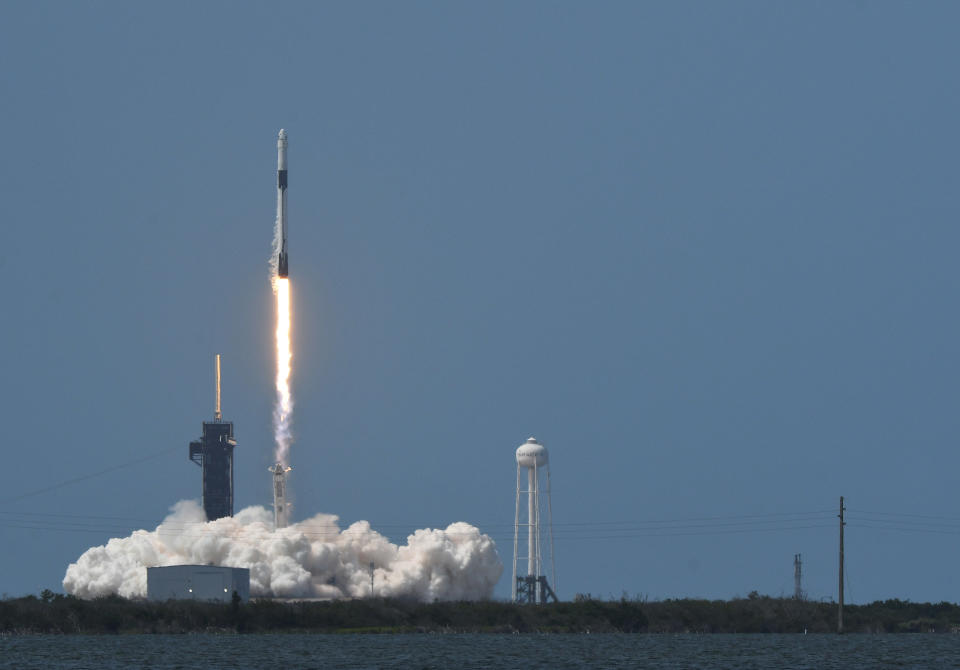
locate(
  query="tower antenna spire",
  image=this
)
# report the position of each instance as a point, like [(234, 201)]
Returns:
[(217, 416)]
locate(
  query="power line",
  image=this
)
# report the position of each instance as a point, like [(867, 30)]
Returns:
[(908, 515), (193, 530), (570, 531), (905, 529), (75, 480), (629, 524)]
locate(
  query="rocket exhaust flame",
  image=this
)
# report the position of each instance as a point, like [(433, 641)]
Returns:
[(283, 409)]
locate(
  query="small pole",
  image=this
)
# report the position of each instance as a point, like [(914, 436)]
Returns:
[(840, 611)]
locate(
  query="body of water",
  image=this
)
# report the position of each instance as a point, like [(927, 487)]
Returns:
[(462, 652)]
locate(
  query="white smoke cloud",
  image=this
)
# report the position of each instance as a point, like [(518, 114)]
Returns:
[(310, 559)]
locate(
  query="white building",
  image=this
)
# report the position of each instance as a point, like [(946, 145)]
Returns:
[(198, 582)]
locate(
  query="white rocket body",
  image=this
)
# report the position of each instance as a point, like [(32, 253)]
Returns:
[(282, 265)]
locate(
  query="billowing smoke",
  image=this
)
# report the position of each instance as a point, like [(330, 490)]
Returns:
[(310, 559)]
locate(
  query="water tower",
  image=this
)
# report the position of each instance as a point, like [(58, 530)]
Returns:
[(533, 472)]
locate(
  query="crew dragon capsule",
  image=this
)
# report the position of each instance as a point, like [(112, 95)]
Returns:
[(282, 267)]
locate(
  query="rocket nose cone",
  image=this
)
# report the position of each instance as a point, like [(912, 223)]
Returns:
[(283, 134)]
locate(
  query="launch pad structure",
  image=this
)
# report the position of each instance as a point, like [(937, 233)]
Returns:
[(214, 453), (281, 508)]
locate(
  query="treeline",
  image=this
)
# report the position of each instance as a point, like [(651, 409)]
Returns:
[(55, 613)]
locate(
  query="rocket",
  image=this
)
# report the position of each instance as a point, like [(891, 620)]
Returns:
[(282, 267)]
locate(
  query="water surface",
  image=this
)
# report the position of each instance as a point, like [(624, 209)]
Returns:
[(463, 652)]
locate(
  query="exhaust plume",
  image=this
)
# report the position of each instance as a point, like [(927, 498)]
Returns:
[(310, 559), (283, 407)]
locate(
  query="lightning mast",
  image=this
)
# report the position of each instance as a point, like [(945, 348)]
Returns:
[(797, 572)]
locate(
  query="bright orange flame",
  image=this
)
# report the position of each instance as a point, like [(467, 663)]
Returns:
[(284, 407)]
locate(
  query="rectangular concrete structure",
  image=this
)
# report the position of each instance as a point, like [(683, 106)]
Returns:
[(198, 582)]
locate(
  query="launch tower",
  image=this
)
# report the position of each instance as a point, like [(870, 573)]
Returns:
[(214, 453), (281, 508)]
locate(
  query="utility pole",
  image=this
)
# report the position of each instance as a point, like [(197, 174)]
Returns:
[(840, 612), (797, 570)]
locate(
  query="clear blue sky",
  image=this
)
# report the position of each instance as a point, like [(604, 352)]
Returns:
[(706, 252)]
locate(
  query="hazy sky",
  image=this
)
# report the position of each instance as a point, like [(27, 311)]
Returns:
[(704, 251)]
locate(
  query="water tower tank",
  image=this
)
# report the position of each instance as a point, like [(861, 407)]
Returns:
[(531, 453)]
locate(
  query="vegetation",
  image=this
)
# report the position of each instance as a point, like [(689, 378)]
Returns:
[(55, 613)]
